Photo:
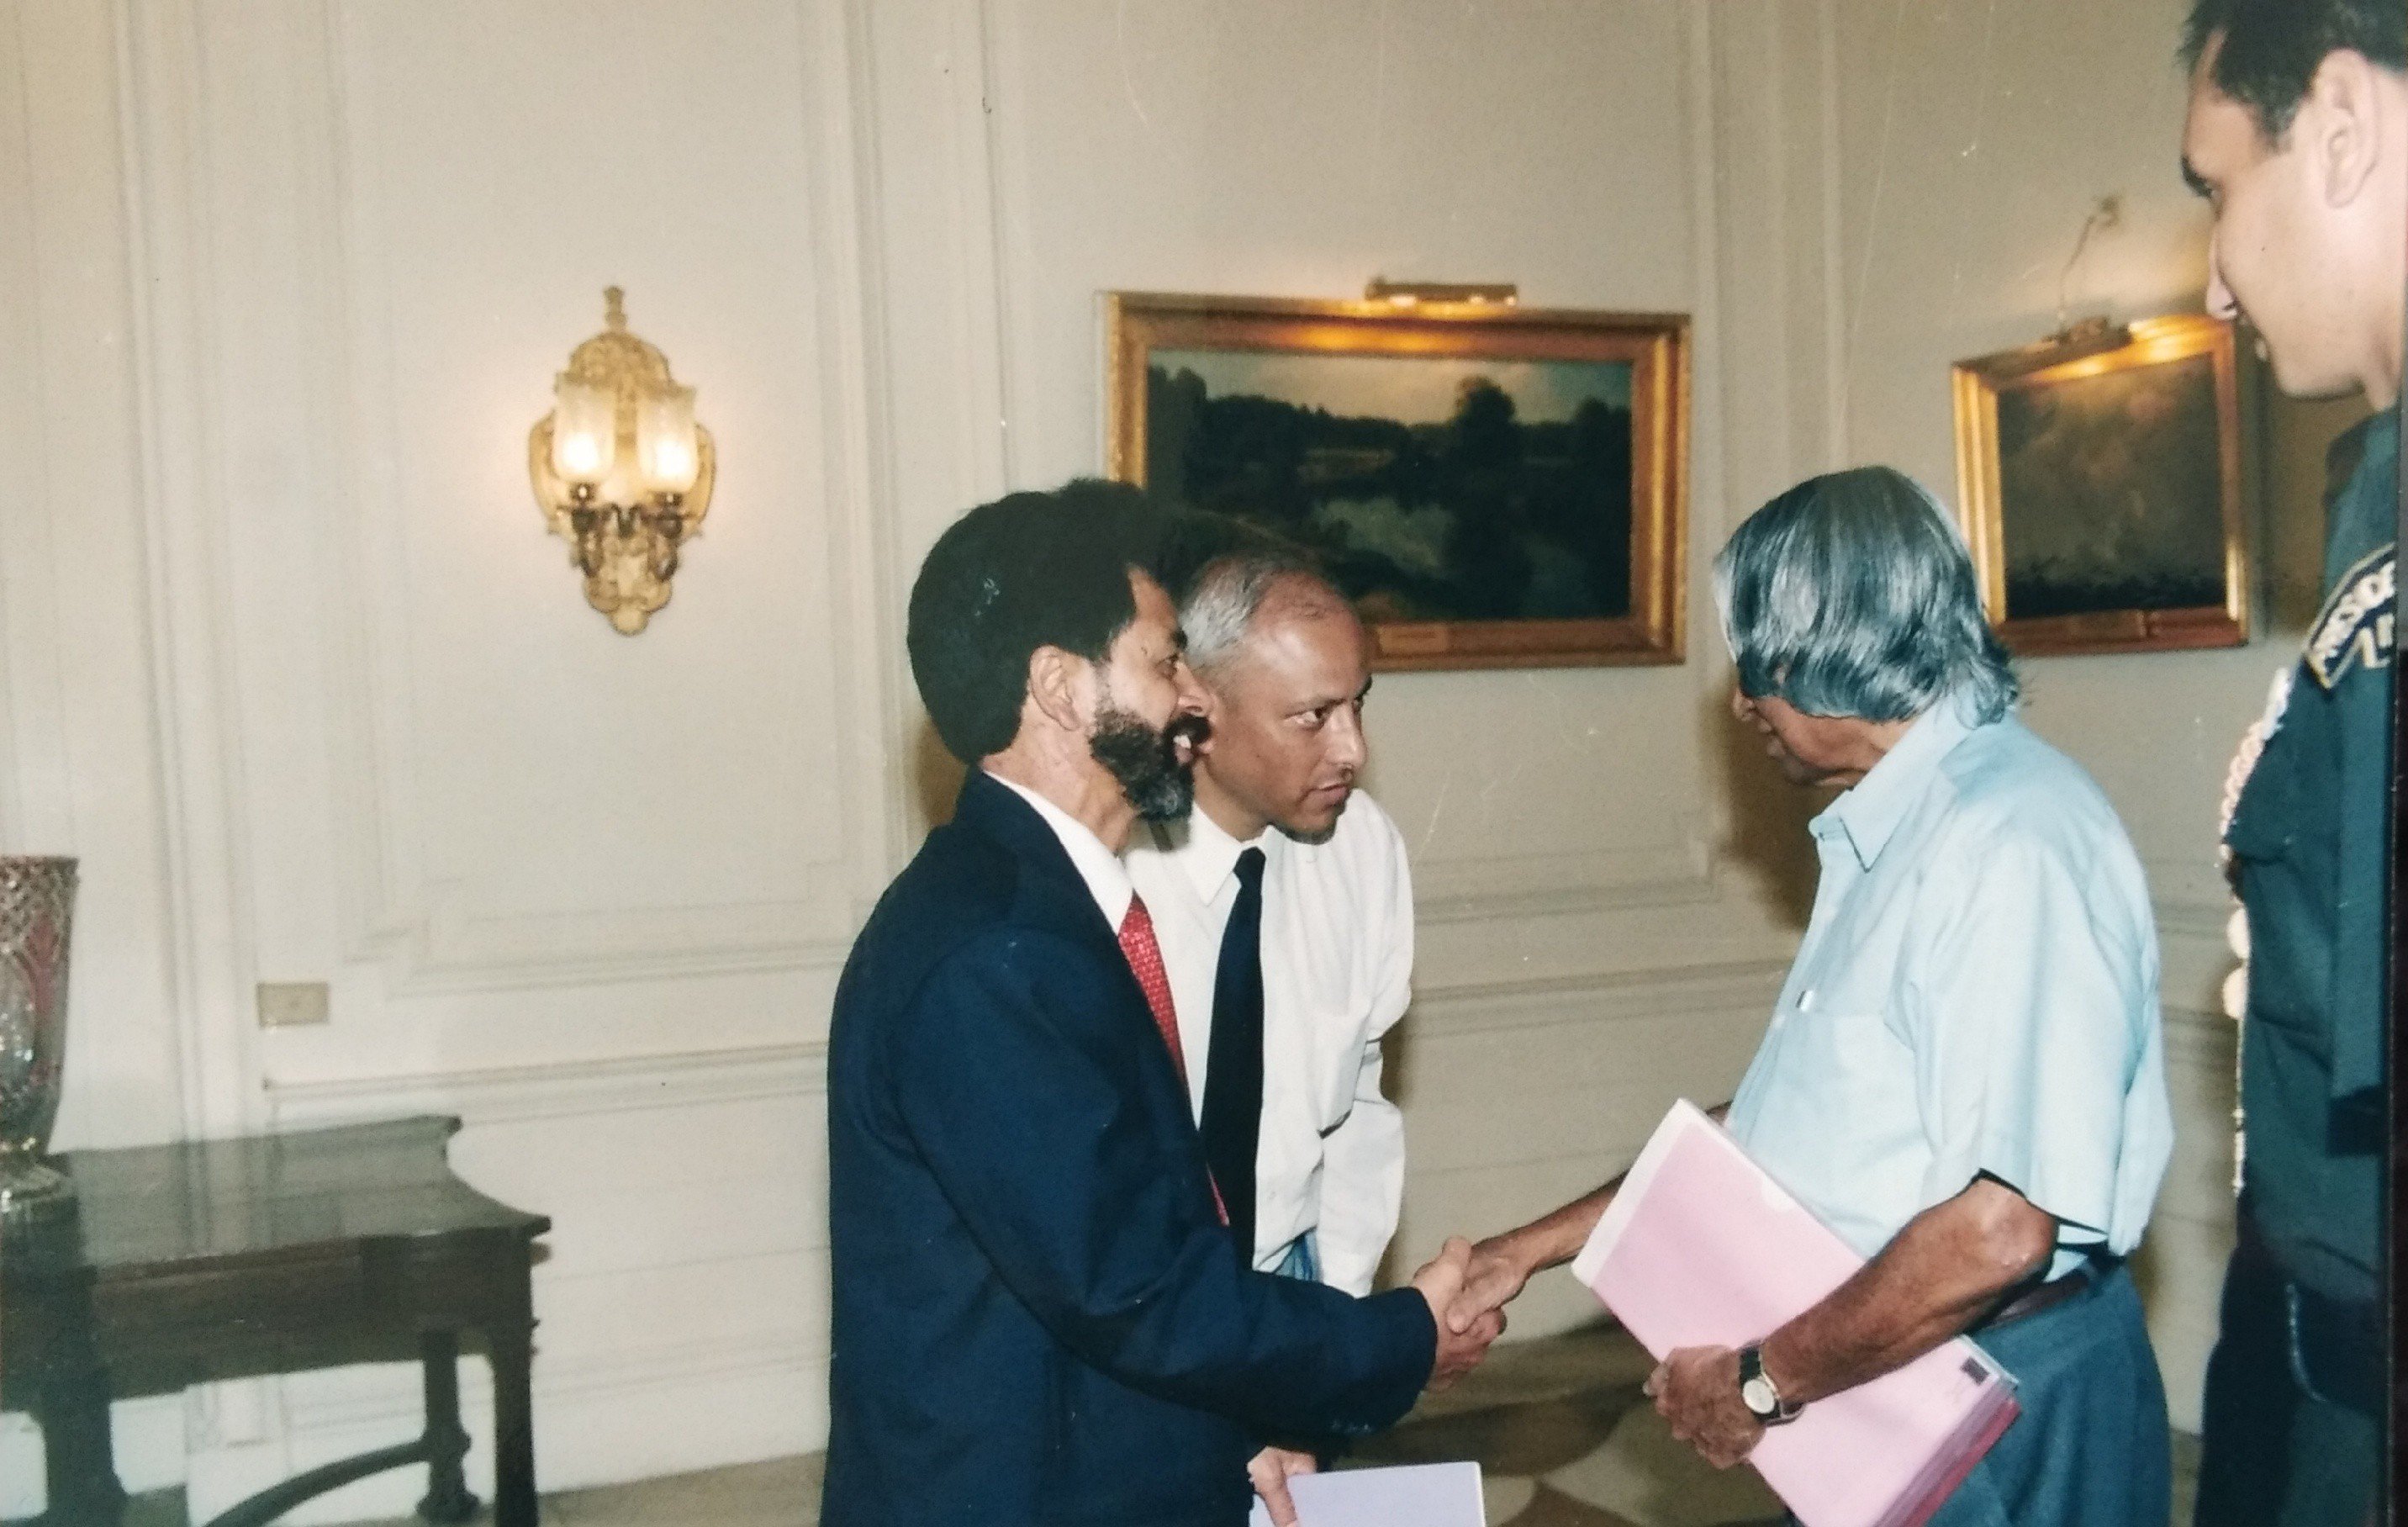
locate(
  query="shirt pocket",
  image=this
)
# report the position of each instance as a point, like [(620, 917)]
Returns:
[(1337, 1046), (1852, 981), (1860, 1004), (1826, 1015)]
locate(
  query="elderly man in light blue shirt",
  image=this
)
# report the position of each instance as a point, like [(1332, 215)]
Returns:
[(1964, 1074)]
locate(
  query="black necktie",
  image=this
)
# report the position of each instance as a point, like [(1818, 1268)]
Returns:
[(1233, 1067)]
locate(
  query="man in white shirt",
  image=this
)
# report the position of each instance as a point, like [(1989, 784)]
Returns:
[(1284, 911)]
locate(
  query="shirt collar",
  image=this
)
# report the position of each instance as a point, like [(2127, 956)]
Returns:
[(1868, 813), (1107, 881), (1211, 856)]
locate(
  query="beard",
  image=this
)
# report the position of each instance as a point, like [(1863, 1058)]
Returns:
[(1145, 760)]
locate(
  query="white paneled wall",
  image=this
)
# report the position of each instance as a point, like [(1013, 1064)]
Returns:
[(287, 655)]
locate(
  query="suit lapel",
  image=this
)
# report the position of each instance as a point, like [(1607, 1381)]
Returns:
[(1052, 895)]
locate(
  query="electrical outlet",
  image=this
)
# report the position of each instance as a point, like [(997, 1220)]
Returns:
[(292, 1004)]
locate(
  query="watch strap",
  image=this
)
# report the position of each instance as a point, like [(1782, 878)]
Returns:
[(1753, 1377)]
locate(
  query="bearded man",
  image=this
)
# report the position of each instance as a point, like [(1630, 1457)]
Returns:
[(1040, 1315)]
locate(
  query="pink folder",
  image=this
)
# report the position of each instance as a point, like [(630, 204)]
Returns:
[(1702, 1248)]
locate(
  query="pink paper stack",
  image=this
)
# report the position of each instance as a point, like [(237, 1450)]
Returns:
[(1702, 1248)]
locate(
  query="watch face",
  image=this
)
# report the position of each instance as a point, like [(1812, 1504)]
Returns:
[(1758, 1397)]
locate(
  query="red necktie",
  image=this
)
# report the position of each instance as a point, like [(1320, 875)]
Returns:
[(1145, 960)]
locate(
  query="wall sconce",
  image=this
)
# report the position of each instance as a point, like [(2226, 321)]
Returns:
[(622, 471)]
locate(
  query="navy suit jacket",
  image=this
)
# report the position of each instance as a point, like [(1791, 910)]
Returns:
[(1038, 1317)]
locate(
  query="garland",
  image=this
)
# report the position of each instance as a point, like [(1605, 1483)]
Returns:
[(2236, 928)]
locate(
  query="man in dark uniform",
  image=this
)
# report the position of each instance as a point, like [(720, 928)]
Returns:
[(2297, 135)]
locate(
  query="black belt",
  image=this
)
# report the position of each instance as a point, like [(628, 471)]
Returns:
[(2049, 1294)]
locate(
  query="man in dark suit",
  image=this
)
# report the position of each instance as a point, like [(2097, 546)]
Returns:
[(1038, 1314)]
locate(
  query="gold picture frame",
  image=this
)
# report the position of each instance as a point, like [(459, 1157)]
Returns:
[(2099, 477), (1551, 532)]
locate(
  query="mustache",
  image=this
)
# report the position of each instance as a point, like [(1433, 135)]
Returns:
[(1152, 776)]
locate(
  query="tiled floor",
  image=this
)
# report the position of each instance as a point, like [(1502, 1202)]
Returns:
[(1559, 1427)]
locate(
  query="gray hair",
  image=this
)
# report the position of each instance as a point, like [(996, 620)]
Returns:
[(1221, 602), (1852, 594)]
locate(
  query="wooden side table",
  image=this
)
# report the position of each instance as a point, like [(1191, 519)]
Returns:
[(232, 1258)]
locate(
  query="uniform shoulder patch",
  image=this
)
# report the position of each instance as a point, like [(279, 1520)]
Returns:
[(2355, 625)]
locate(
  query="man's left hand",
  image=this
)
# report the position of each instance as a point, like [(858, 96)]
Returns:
[(1697, 1389), (1271, 1471)]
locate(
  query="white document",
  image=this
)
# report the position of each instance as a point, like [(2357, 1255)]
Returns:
[(1411, 1495)]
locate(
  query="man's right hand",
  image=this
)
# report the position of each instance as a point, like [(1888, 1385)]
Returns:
[(1493, 1277), (1496, 1268), (1442, 1283)]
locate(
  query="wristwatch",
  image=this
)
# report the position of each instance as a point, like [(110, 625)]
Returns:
[(1757, 1392)]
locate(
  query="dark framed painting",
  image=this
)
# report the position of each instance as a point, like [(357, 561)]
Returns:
[(1493, 486), (2100, 479)]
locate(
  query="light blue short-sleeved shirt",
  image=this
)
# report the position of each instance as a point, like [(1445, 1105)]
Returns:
[(1977, 992)]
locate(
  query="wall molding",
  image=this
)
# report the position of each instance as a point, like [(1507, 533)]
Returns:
[(2203, 920), (565, 1089), (860, 438), (447, 952), (2194, 1038), (927, 69), (925, 202), (182, 493), (430, 935), (1598, 997), (2190, 888), (1555, 885), (33, 745), (1835, 374)]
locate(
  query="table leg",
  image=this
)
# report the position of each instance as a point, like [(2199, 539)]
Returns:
[(448, 1498), (512, 1348), (79, 1462)]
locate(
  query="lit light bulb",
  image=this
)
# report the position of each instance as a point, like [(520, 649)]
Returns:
[(584, 431), (666, 451)]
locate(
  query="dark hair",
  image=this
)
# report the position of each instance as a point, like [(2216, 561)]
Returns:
[(2270, 49), (1029, 570)]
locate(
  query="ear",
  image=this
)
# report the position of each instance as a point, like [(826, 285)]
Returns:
[(1209, 691), (2342, 115), (1059, 682), (1213, 709)]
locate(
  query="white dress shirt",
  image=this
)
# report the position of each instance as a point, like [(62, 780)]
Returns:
[(1338, 959), (1107, 882)]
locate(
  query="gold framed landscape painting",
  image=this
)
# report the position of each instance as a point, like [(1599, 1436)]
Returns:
[(1493, 486), (2098, 475)]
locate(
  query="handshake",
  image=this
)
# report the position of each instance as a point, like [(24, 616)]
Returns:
[(1468, 1286)]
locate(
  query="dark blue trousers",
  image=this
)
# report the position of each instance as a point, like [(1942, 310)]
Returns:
[(2278, 1452), (2091, 1448)]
